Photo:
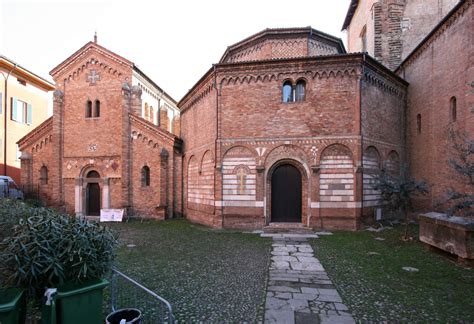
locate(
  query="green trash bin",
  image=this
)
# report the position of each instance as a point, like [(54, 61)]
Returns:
[(12, 306), (78, 303)]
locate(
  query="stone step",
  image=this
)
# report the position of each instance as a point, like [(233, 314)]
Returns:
[(290, 228)]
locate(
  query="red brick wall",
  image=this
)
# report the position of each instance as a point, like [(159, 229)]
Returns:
[(198, 131), (258, 132), (117, 144), (40, 153), (395, 27), (441, 69), (251, 108), (150, 201)]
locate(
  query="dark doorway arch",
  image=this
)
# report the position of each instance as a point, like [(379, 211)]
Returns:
[(93, 194), (286, 197)]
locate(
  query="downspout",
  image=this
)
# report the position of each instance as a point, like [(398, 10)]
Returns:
[(5, 121), (364, 58), (217, 134), (61, 145)]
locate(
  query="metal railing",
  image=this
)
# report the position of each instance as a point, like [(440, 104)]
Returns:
[(128, 293)]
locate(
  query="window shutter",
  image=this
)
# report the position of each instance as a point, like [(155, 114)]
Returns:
[(29, 114), (14, 115)]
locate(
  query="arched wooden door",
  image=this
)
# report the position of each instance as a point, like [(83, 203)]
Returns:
[(286, 194), (93, 194)]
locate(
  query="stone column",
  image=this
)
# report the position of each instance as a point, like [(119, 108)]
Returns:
[(106, 194), (126, 186), (26, 172), (56, 174), (164, 187), (78, 198)]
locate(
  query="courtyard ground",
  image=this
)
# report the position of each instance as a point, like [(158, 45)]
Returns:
[(216, 275), (366, 268), (207, 275)]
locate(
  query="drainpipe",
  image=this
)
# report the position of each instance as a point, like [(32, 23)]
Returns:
[(217, 138), (361, 190), (5, 121)]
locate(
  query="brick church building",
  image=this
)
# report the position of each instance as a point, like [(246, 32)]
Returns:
[(287, 127), (105, 145)]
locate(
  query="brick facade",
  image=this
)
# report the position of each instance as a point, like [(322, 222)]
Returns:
[(237, 131), (97, 127), (450, 50), (392, 28)]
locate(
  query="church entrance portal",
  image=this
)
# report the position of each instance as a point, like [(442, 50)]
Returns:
[(93, 194), (286, 194)]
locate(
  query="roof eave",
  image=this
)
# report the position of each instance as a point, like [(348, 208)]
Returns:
[(72, 57), (27, 74), (350, 13)]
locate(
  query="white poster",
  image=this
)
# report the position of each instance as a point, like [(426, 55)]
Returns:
[(111, 215)]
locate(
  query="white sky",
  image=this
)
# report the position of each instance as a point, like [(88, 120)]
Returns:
[(174, 42)]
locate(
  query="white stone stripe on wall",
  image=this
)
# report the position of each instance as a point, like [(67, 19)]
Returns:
[(336, 176), (238, 197), (236, 186), (228, 160), (336, 198), (230, 203), (348, 204), (348, 181), (336, 192), (232, 191), (237, 192), (235, 181), (234, 176), (346, 186)]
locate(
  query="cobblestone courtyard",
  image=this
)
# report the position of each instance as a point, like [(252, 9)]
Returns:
[(222, 276)]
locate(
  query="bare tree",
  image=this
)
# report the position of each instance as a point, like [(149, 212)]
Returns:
[(462, 162), (397, 193)]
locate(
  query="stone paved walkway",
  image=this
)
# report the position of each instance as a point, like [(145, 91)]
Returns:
[(299, 290)]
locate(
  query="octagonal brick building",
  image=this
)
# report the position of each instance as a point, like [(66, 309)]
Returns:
[(289, 128)]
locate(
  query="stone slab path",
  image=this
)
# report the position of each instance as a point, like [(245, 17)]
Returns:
[(299, 290)]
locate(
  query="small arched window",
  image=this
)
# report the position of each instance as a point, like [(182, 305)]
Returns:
[(152, 114), (418, 123), (89, 109), (287, 92), (145, 176), (300, 90), (97, 109), (452, 109), (147, 112), (44, 175)]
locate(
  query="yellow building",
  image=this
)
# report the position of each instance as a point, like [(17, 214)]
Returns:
[(23, 106)]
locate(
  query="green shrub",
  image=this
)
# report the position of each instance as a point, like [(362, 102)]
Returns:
[(11, 211), (48, 249)]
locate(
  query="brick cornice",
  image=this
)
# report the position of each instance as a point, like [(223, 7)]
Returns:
[(83, 51), (384, 83), (146, 126), (40, 131), (201, 90)]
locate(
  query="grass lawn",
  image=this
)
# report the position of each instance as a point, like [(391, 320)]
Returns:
[(375, 287), (206, 275)]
